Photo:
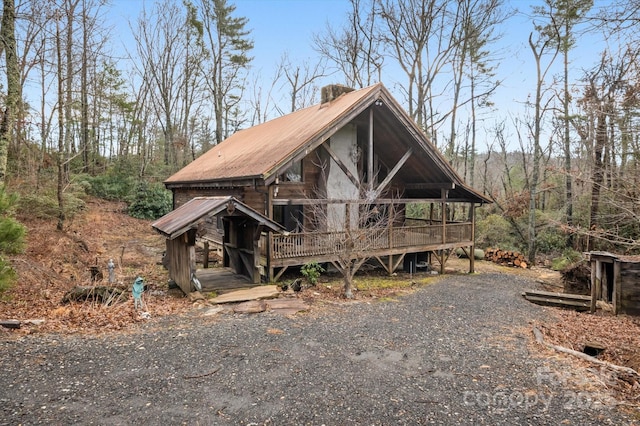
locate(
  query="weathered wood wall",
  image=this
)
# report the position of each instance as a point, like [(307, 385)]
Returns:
[(181, 257), (629, 288), (182, 195)]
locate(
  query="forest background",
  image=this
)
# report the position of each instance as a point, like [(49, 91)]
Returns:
[(536, 104)]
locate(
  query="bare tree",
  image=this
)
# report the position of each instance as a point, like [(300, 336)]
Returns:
[(61, 127), (471, 65), (354, 227), (354, 49), (563, 17), (227, 43), (300, 81), (160, 43), (610, 88), (544, 45)]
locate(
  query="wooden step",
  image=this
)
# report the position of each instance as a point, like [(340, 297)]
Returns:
[(547, 298)]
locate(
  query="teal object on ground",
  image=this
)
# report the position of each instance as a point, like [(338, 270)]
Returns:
[(138, 287)]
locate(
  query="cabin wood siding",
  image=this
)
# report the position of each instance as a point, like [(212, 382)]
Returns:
[(255, 198), (183, 195)]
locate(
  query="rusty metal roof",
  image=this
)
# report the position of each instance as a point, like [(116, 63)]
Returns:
[(261, 152), (197, 209), (257, 151)]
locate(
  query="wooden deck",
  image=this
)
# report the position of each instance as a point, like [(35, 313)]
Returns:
[(222, 280), (291, 249)]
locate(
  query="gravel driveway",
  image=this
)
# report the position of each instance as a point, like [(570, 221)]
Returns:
[(455, 352)]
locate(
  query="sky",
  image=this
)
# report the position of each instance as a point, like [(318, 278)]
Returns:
[(279, 26), (276, 25)]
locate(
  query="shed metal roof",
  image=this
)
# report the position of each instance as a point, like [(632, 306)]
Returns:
[(197, 209)]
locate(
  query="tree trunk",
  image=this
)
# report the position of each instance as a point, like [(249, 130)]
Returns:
[(567, 146), (13, 84), (61, 131)]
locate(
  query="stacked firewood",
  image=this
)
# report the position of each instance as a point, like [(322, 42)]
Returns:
[(505, 257)]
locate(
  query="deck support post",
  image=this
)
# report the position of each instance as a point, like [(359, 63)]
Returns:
[(370, 151), (472, 249), (390, 237), (269, 252), (443, 215)]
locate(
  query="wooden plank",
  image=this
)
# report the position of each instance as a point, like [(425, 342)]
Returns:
[(394, 171), (558, 295), (551, 301), (340, 164), (254, 293)]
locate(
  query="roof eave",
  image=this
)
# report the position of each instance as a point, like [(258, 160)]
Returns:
[(235, 182)]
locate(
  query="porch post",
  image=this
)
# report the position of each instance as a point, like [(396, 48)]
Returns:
[(191, 243), (443, 213), (390, 237), (269, 239), (472, 254)]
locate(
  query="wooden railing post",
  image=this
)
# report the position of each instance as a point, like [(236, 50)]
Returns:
[(443, 214), (390, 238), (472, 254)]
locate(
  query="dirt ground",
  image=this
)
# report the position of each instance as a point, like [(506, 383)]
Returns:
[(54, 262)]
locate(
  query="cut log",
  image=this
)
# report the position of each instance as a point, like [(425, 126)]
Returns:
[(506, 257), (12, 323)]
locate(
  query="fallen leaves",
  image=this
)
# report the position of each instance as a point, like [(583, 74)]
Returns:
[(54, 262)]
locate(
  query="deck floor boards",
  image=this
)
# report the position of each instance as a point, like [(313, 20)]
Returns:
[(222, 280)]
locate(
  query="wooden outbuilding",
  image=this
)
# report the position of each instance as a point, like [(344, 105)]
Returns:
[(242, 227), (615, 280), (355, 153)]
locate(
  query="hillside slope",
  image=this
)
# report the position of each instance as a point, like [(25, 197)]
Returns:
[(54, 262)]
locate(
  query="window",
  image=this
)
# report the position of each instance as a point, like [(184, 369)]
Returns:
[(293, 173), (291, 217)]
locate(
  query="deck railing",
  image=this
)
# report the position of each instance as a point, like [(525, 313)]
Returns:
[(324, 243)]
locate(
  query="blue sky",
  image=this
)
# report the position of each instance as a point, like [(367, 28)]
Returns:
[(279, 26), (276, 25)]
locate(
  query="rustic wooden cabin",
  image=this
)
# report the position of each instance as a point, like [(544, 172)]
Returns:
[(615, 280), (356, 151)]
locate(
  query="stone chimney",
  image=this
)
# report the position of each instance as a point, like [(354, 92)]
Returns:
[(333, 91)]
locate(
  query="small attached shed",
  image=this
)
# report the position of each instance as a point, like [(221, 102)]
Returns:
[(242, 226), (615, 279)]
